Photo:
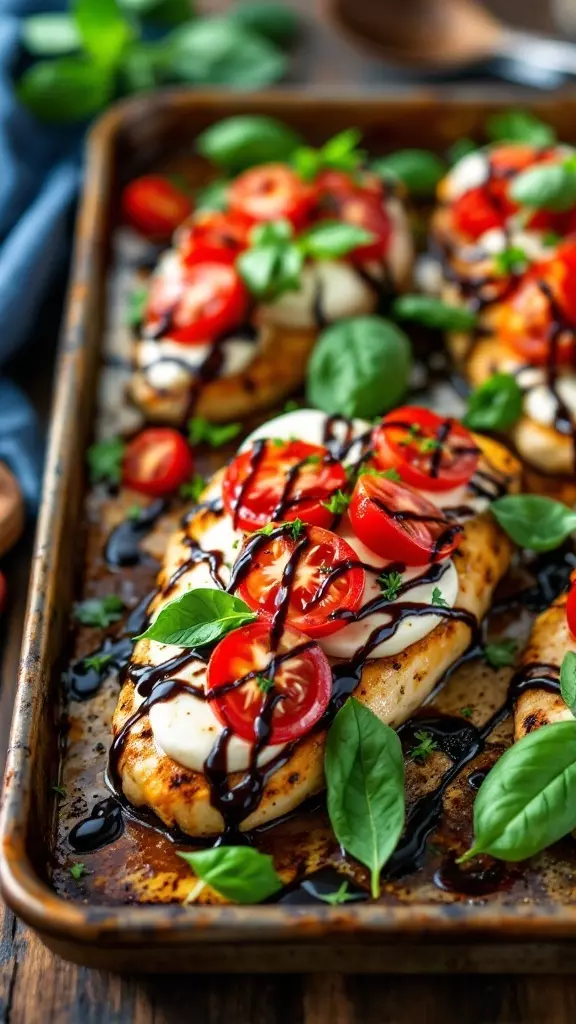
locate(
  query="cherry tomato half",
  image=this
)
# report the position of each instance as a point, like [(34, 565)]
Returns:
[(155, 206), (214, 237), (272, 192), (283, 480), (196, 303), (157, 461), (294, 683), (398, 523), (428, 451), (326, 577), (571, 606)]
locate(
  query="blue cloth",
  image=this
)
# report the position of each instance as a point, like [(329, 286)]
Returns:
[(39, 174)]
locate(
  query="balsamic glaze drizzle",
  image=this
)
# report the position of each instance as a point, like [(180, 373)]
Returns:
[(123, 545)]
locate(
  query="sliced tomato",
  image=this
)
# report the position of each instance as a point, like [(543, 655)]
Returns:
[(213, 236), (399, 524), (272, 192), (332, 185), (281, 480), (571, 606), (196, 303), (325, 576), (259, 693), (155, 206), (428, 451), (157, 461), (365, 209)]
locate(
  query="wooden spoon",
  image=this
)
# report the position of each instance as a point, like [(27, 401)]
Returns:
[(12, 515)]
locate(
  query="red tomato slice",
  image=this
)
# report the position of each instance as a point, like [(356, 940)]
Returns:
[(211, 236), (157, 461), (326, 577), (428, 451), (272, 192), (332, 184), (362, 207), (571, 606), (196, 303), (399, 524), (281, 480), (280, 694), (155, 206)]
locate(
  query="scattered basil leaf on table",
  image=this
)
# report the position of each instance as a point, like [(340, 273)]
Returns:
[(549, 187), (568, 681), (50, 35), (197, 618), (433, 312), (239, 873), (200, 431), (99, 612), (528, 799), (501, 653), (519, 126), (214, 51), (534, 521), (275, 21), (461, 148), (97, 661), (339, 153), (68, 89), (494, 405), (103, 29), (365, 780), (418, 169), (359, 367), (331, 239), (245, 140), (104, 460)]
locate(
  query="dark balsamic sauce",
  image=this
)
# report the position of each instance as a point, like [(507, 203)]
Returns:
[(310, 890), (123, 545), (474, 880), (103, 826)]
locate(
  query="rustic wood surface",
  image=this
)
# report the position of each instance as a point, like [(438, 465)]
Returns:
[(35, 986)]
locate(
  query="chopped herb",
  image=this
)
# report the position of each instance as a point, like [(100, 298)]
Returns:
[(264, 683), (97, 661), (77, 870), (61, 790), (99, 611), (438, 599), (338, 503), (341, 895), (105, 460), (466, 712), (200, 431), (236, 543), (295, 528), (429, 444), (501, 653), (390, 584), (387, 474), (312, 460), (324, 569), (268, 529), (411, 436), (426, 745), (511, 261), (278, 442), (134, 512), (136, 306), (192, 489)]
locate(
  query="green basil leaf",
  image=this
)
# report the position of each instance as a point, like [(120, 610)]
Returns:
[(359, 367), (197, 618), (519, 126), (161, 12), (528, 799), (201, 431), (104, 30), (501, 653), (365, 779), (270, 270), (213, 196), (433, 312), (141, 66), (239, 873), (69, 89), (271, 231), (99, 612), (568, 680), (50, 35), (534, 521), (459, 149), (214, 51), (136, 306), (512, 260), (550, 187), (418, 169), (495, 405), (274, 21), (331, 239), (339, 153), (245, 140), (104, 460)]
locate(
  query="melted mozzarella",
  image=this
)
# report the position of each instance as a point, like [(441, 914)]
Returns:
[(471, 171), (337, 286), (540, 403), (308, 425)]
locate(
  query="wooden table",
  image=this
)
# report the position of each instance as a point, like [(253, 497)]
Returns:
[(37, 987)]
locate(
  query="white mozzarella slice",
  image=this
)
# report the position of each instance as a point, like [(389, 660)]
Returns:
[(337, 285), (471, 171), (308, 425)]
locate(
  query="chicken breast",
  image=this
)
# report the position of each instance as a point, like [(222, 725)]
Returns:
[(393, 687), (550, 639)]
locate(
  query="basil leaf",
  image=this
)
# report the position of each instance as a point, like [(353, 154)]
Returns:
[(104, 460), (239, 873), (197, 618), (50, 35), (568, 680), (459, 149), (214, 51), (512, 260), (141, 66), (161, 12), (100, 612), (213, 196), (495, 405), (418, 169), (519, 126), (247, 139), (339, 153), (501, 653), (69, 89), (432, 312), (528, 799), (271, 231), (136, 306), (104, 30), (330, 239), (550, 187), (270, 270), (359, 367), (201, 431), (365, 779), (533, 521), (274, 21)]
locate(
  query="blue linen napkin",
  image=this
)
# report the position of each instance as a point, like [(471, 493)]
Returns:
[(39, 175)]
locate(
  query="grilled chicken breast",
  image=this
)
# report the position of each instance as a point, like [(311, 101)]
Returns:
[(550, 639)]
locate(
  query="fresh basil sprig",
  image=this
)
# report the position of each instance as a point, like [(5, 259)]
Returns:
[(519, 126), (99, 612), (548, 187), (418, 169), (528, 799), (339, 153), (245, 140), (273, 21), (215, 51), (433, 312), (201, 431), (331, 239), (198, 617), (534, 521), (239, 873), (365, 780), (495, 405), (213, 196), (359, 367), (104, 460), (568, 681)]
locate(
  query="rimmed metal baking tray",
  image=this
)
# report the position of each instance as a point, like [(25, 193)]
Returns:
[(462, 936)]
